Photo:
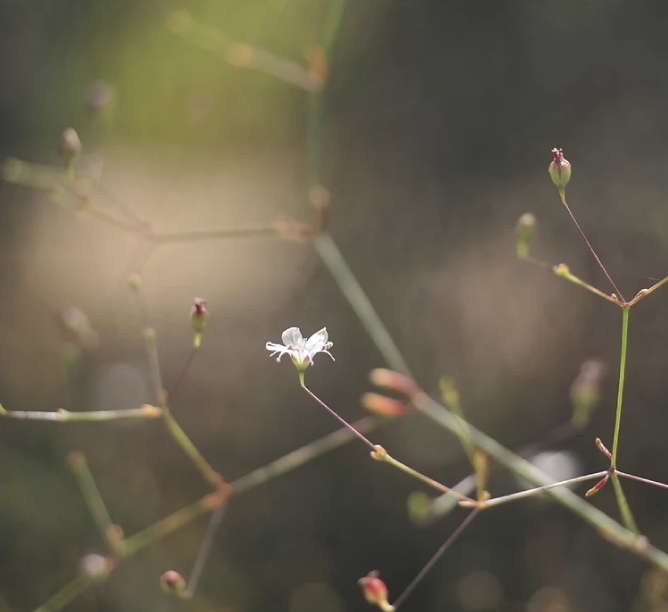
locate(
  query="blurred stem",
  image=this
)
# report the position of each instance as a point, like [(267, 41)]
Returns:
[(204, 549), (432, 562), (151, 346), (496, 501), (302, 456), (620, 391), (171, 523), (186, 366), (91, 494), (67, 594), (209, 474), (239, 232), (624, 507), (64, 416)]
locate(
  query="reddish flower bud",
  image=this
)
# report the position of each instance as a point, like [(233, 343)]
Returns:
[(172, 582), (375, 591), (598, 486), (383, 406), (393, 381), (199, 315), (526, 228), (560, 172)]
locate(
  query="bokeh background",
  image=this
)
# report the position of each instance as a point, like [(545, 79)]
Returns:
[(440, 117)]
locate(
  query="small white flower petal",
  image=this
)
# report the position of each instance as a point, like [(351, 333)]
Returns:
[(317, 340), (292, 337)]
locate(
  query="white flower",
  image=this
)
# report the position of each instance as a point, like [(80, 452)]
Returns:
[(300, 349)]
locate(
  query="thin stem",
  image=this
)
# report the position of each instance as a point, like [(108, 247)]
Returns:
[(620, 391), (151, 347), (646, 292), (91, 494), (496, 501), (302, 456), (341, 420), (563, 272), (68, 593), (624, 507), (598, 261), (171, 523), (239, 232), (432, 562), (654, 483), (184, 370), (386, 458), (205, 548), (180, 437), (64, 416)]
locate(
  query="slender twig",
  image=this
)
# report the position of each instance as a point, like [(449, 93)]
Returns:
[(654, 483), (623, 504), (496, 501), (151, 346), (591, 249), (620, 390), (563, 272), (91, 494), (198, 460), (432, 562), (235, 232), (68, 593), (64, 416), (645, 292), (183, 371), (205, 548), (341, 420)]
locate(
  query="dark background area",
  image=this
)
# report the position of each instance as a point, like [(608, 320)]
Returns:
[(439, 123)]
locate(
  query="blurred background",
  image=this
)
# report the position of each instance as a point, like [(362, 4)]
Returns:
[(439, 120)]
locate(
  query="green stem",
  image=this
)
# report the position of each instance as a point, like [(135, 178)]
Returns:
[(496, 501), (64, 416), (91, 494), (620, 392), (171, 523), (180, 437), (624, 507), (68, 593), (386, 458), (563, 272)]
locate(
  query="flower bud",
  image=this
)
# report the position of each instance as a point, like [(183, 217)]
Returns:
[(526, 228), (70, 145), (172, 582), (560, 172), (199, 315), (383, 406), (393, 381), (95, 566), (586, 391), (375, 591)]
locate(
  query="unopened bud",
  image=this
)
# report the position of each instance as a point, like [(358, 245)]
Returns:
[(172, 582), (101, 98), (393, 381), (560, 172), (199, 315), (586, 391), (70, 145), (95, 566), (383, 406), (598, 486), (375, 591), (562, 270), (419, 507), (526, 229)]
